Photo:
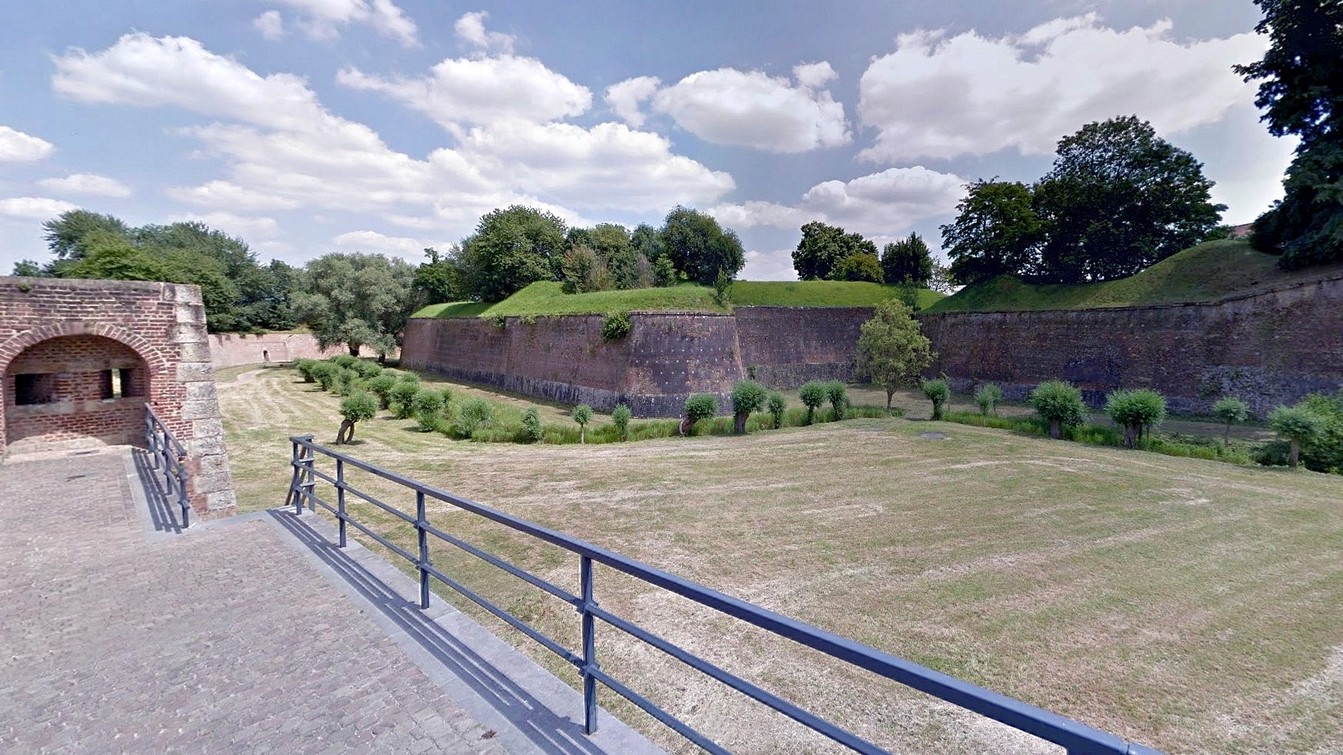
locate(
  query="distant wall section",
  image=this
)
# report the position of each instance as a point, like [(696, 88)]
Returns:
[(234, 349)]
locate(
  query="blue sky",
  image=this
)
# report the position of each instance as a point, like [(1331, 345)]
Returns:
[(312, 126)]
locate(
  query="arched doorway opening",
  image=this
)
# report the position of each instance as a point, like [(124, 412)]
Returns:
[(75, 390)]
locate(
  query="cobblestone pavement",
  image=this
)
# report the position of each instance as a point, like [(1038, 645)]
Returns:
[(221, 639)]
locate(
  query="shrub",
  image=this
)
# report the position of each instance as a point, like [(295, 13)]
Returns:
[(345, 378), (987, 398), (1060, 404), (813, 395), (777, 405), (621, 417), (699, 406), (403, 393), (305, 367), (582, 415), (1136, 411), (344, 360), (428, 406), (1298, 425), (356, 407), (937, 392), (475, 414), (838, 395), (447, 396), (615, 326), (532, 429), (381, 386), (366, 369), (408, 377), (1232, 411), (747, 396), (325, 373)]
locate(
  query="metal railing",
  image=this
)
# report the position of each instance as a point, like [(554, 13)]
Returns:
[(1075, 737), (166, 456)]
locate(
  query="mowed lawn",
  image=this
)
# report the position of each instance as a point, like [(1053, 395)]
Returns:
[(1188, 605)]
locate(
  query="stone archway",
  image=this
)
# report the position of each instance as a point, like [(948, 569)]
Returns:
[(73, 390)]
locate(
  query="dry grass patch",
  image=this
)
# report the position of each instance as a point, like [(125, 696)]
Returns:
[(1192, 606)]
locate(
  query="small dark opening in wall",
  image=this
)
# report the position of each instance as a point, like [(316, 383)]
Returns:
[(131, 384), (34, 389), (109, 384), (121, 383)]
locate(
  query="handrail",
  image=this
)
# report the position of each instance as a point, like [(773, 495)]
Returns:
[(167, 454), (1075, 737)]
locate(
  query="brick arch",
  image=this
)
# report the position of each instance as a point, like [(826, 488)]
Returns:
[(153, 356)]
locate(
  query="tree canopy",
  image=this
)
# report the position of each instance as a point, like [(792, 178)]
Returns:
[(996, 232), (907, 261), (512, 248), (892, 349), (823, 247), (357, 299), (1301, 93), (699, 247)]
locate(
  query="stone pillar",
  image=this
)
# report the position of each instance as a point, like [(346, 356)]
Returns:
[(199, 425)]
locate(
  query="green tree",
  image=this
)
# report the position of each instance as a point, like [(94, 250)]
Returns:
[(1137, 411), (1232, 411), (427, 405), (892, 349), (823, 248), (583, 271), (511, 249), (938, 392), (699, 247), (647, 241), (66, 234), (812, 394), (1060, 404), (1301, 92), (837, 393), (907, 261), (747, 396), (621, 418), (777, 405), (1297, 424), (357, 299), (532, 429), (1118, 199), (28, 269), (441, 278), (858, 267), (582, 415), (996, 232), (356, 407), (624, 264), (699, 406), (987, 398)]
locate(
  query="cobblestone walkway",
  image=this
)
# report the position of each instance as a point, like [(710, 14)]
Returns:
[(224, 638)]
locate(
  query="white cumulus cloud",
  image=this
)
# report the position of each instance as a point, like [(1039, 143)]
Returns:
[(470, 28), (752, 109), (323, 19), (270, 24), (943, 97), (34, 208), (247, 227), (372, 241), (87, 183), (626, 98), (16, 146)]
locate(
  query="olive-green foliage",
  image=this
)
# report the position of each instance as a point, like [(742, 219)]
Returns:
[(813, 395), (777, 405), (937, 392), (988, 397), (358, 406), (532, 429), (700, 406), (1060, 404), (408, 377), (892, 349), (366, 369), (582, 415), (345, 378), (381, 386), (1232, 411), (621, 418), (325, 374), (305, 367), (1137, 411), (403, 394), (427, 405), (447, 396), (474, 416), (344, 360), (838, 395), (615, 326), (747, 396)]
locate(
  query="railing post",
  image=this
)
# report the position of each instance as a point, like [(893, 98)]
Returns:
[(424, 548), (589, 648), (340, 497), (182, 501)]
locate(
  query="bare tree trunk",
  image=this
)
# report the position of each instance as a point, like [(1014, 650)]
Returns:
[(1055, 429), (889, 394), (346, 434), (739, 423), (1294, 456)]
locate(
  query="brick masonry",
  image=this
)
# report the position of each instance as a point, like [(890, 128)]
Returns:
[(235, 349), (74, 330)]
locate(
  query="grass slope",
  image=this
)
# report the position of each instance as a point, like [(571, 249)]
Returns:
[(547, 298), (1206, 272)]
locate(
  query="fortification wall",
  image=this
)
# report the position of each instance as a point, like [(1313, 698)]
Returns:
[(234, 349), (1270, 348)]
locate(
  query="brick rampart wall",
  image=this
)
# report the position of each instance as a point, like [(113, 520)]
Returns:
[(1270, 348), (234, 349), (72, 330)]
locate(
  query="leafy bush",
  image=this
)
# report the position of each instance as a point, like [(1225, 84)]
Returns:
[(403, 393), (345, 378), (408, 377), (344, 360), (532, 430), (698, 407), (988, 397), (1060, 404), (366, 369), (1298, 425), (615, 326), (838, 395), (1232, 411), (777, 405), (428, 407), (447, 396), (381, 386), (582, 415), (325, 373), (1137, 411), (937, 392), (475, 415), (358, 406), (621, 418), (305, 367), (813, 395), (747, 396)]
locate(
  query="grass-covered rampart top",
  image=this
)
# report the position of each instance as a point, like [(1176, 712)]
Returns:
[(1203, 273), (547, 298)]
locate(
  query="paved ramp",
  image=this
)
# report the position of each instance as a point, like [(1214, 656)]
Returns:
[(244, 635)]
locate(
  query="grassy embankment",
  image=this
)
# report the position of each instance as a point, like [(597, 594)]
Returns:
[(547, 298), (1207, 272), (1185, 604)]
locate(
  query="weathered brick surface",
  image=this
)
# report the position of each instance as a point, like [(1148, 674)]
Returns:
[(1270, 348), (223, 639), (75, 329), (233, 349)]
